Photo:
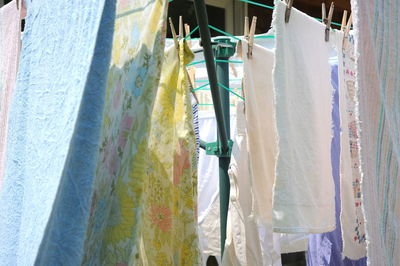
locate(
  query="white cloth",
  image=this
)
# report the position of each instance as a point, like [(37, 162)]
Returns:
[(351, 216), (261, 126), (242, 246), (304, 193), (262, 142)]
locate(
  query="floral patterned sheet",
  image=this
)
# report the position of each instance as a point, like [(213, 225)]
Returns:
[(124, 200)]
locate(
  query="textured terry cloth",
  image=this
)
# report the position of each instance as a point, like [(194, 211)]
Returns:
[(262, 139), (377, 35), (352, 217), (243, 245), (208, 187), (326, 249), (304, 200), (65, 232), (10, 41), (167, 233), (56, 57), (133, 79)]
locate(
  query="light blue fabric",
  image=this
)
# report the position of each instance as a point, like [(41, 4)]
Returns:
[(65, 233), (54, 122)]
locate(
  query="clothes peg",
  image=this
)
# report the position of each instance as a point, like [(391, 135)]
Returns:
[(323, 12), (17, 2), (187, 32), (344, 20), (246, 28), (327, 20), (348, 26), (346, 31), (180, 36), (173, 33), (251, 37), (289, 4)]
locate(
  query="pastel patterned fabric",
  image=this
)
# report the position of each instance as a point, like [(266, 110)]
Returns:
[(10, 42), (352, 216), (52, 86), (167, 232), (116, 211), (377, 35)]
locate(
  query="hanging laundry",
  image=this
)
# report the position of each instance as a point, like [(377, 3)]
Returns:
[(52, 89), (10, 42), (352, 216), (377, 35), (116, 210), (326, 249), (64, 237), (262, 141), (167, 232), (304, 200), (242, 246)]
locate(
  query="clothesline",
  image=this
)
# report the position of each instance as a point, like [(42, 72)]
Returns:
[(257, 4)]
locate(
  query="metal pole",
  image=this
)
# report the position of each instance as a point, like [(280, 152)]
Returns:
[(223, 53), (202, 20)]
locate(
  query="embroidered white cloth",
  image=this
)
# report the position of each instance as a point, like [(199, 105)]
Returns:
[(351, 216), (304, 194)]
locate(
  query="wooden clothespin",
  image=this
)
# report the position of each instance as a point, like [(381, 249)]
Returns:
[(346, 30), (348, 26), (246, 28), (344, 21), (180, 36), (187, 32), (327, 20), (173, 33), (251, 37), (289, 4)]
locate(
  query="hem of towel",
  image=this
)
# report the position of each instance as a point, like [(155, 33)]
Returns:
[(304, 230)]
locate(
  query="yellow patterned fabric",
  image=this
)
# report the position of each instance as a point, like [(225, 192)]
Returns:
[(116, 212), (168, 230)]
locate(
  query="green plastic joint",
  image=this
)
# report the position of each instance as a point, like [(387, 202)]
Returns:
[(214, 148), (225, 49)]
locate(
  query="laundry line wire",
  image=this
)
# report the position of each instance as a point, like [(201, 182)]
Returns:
[(257, 4)]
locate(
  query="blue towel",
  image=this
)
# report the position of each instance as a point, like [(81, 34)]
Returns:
[(54, 130)]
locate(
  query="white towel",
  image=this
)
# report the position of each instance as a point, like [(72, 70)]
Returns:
[(304, 194), (261, 125), (262, 142)]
